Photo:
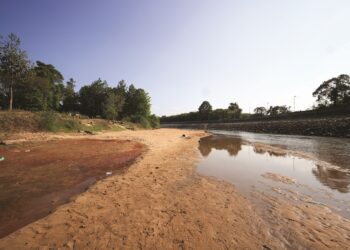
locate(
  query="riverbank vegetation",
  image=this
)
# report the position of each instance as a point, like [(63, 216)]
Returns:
[(40, 87), (333, 98)]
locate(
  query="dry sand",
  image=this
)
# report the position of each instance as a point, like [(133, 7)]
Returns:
[(162, 203)]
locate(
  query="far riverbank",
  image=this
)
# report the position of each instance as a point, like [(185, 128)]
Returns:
[(338, 126)]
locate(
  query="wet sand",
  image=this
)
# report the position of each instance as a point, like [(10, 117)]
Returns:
[(161, 202), (36, 177)]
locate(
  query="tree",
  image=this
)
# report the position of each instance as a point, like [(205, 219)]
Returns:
[(108, 106), (14, 66), (137, 102), (277, 110), (260, 111), (234, 111), (120, 96), (92, 96), (334, 91), (71, 98), (55, 79), (205, 107)]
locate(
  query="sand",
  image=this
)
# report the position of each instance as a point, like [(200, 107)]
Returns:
[(161, 202)]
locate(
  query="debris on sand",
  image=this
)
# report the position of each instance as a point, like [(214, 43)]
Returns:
[(2, 158), (186, 136), (278, 177), (89, 132)]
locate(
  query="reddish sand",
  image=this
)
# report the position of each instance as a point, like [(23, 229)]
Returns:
[(161, 202), (39, 176)]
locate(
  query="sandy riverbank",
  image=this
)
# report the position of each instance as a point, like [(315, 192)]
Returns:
[(162, 203)]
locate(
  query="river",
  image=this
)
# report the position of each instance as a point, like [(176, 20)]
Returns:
[(237, 158)]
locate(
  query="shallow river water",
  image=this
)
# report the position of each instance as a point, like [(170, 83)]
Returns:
[(235, 157)]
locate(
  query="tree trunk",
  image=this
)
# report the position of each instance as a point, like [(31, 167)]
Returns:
[(11, 97)]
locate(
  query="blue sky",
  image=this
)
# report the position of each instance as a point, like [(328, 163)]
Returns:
[(185, 51)]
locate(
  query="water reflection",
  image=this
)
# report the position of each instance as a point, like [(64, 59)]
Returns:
[(231, 145), (261, 150), (235, 160), (332, 178)]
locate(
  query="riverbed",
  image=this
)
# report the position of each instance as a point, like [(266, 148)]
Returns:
[(283, 166), (163, 202)]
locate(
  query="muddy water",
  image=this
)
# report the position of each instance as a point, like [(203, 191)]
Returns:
[(237, 158), (37, 177)]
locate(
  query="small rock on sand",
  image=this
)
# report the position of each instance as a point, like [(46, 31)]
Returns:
[(278, 177)]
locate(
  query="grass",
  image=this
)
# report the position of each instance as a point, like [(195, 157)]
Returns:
[(26, 121)]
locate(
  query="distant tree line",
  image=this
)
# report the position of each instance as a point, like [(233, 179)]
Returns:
[(332, 93), (41, 87)]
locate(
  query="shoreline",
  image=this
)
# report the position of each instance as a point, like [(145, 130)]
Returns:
[(162, 202)]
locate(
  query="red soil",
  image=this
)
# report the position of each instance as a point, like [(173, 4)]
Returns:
[(37, 177)]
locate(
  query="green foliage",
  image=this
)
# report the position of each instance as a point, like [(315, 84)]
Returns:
[(137, 102), (91, 98), (40, 88), (335, 91), (14, 66), (108, 106), (234, 110), (278, 110), (154, 121), (139, 119), (260, 111), (205, 107), (70, 99), (151, 121), (53, 122)]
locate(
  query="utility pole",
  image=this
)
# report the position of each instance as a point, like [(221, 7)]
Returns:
[(294, 102)]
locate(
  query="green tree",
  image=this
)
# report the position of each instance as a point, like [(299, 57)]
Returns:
[(334, 91), (71, 98), (108, 108), (55, 79), (260, 111), (91, 98), (137, 102), (234, 110), (33, 93), (120, 96), (14, 66), (205, 107), (277, 110)]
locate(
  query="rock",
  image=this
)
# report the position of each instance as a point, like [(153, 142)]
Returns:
[(89, 132)]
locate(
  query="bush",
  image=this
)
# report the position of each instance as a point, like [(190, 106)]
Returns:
[(139, 119), (51, 121), (154, 121)]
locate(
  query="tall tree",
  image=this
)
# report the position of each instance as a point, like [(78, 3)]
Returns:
[(55, 79), (334, 91), (260, 111), (277, 110), (91, 97), (234, 110), (70, 99), (205, 107), (14, 66), (137, 102)]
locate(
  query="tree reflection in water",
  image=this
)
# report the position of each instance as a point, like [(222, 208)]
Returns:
[(333, 178), (231, 145)]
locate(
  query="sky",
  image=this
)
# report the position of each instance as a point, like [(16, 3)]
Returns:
[(182, 52)]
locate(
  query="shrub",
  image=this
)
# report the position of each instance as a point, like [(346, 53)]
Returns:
[(51, 121), (143, 121), (154, 121)]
